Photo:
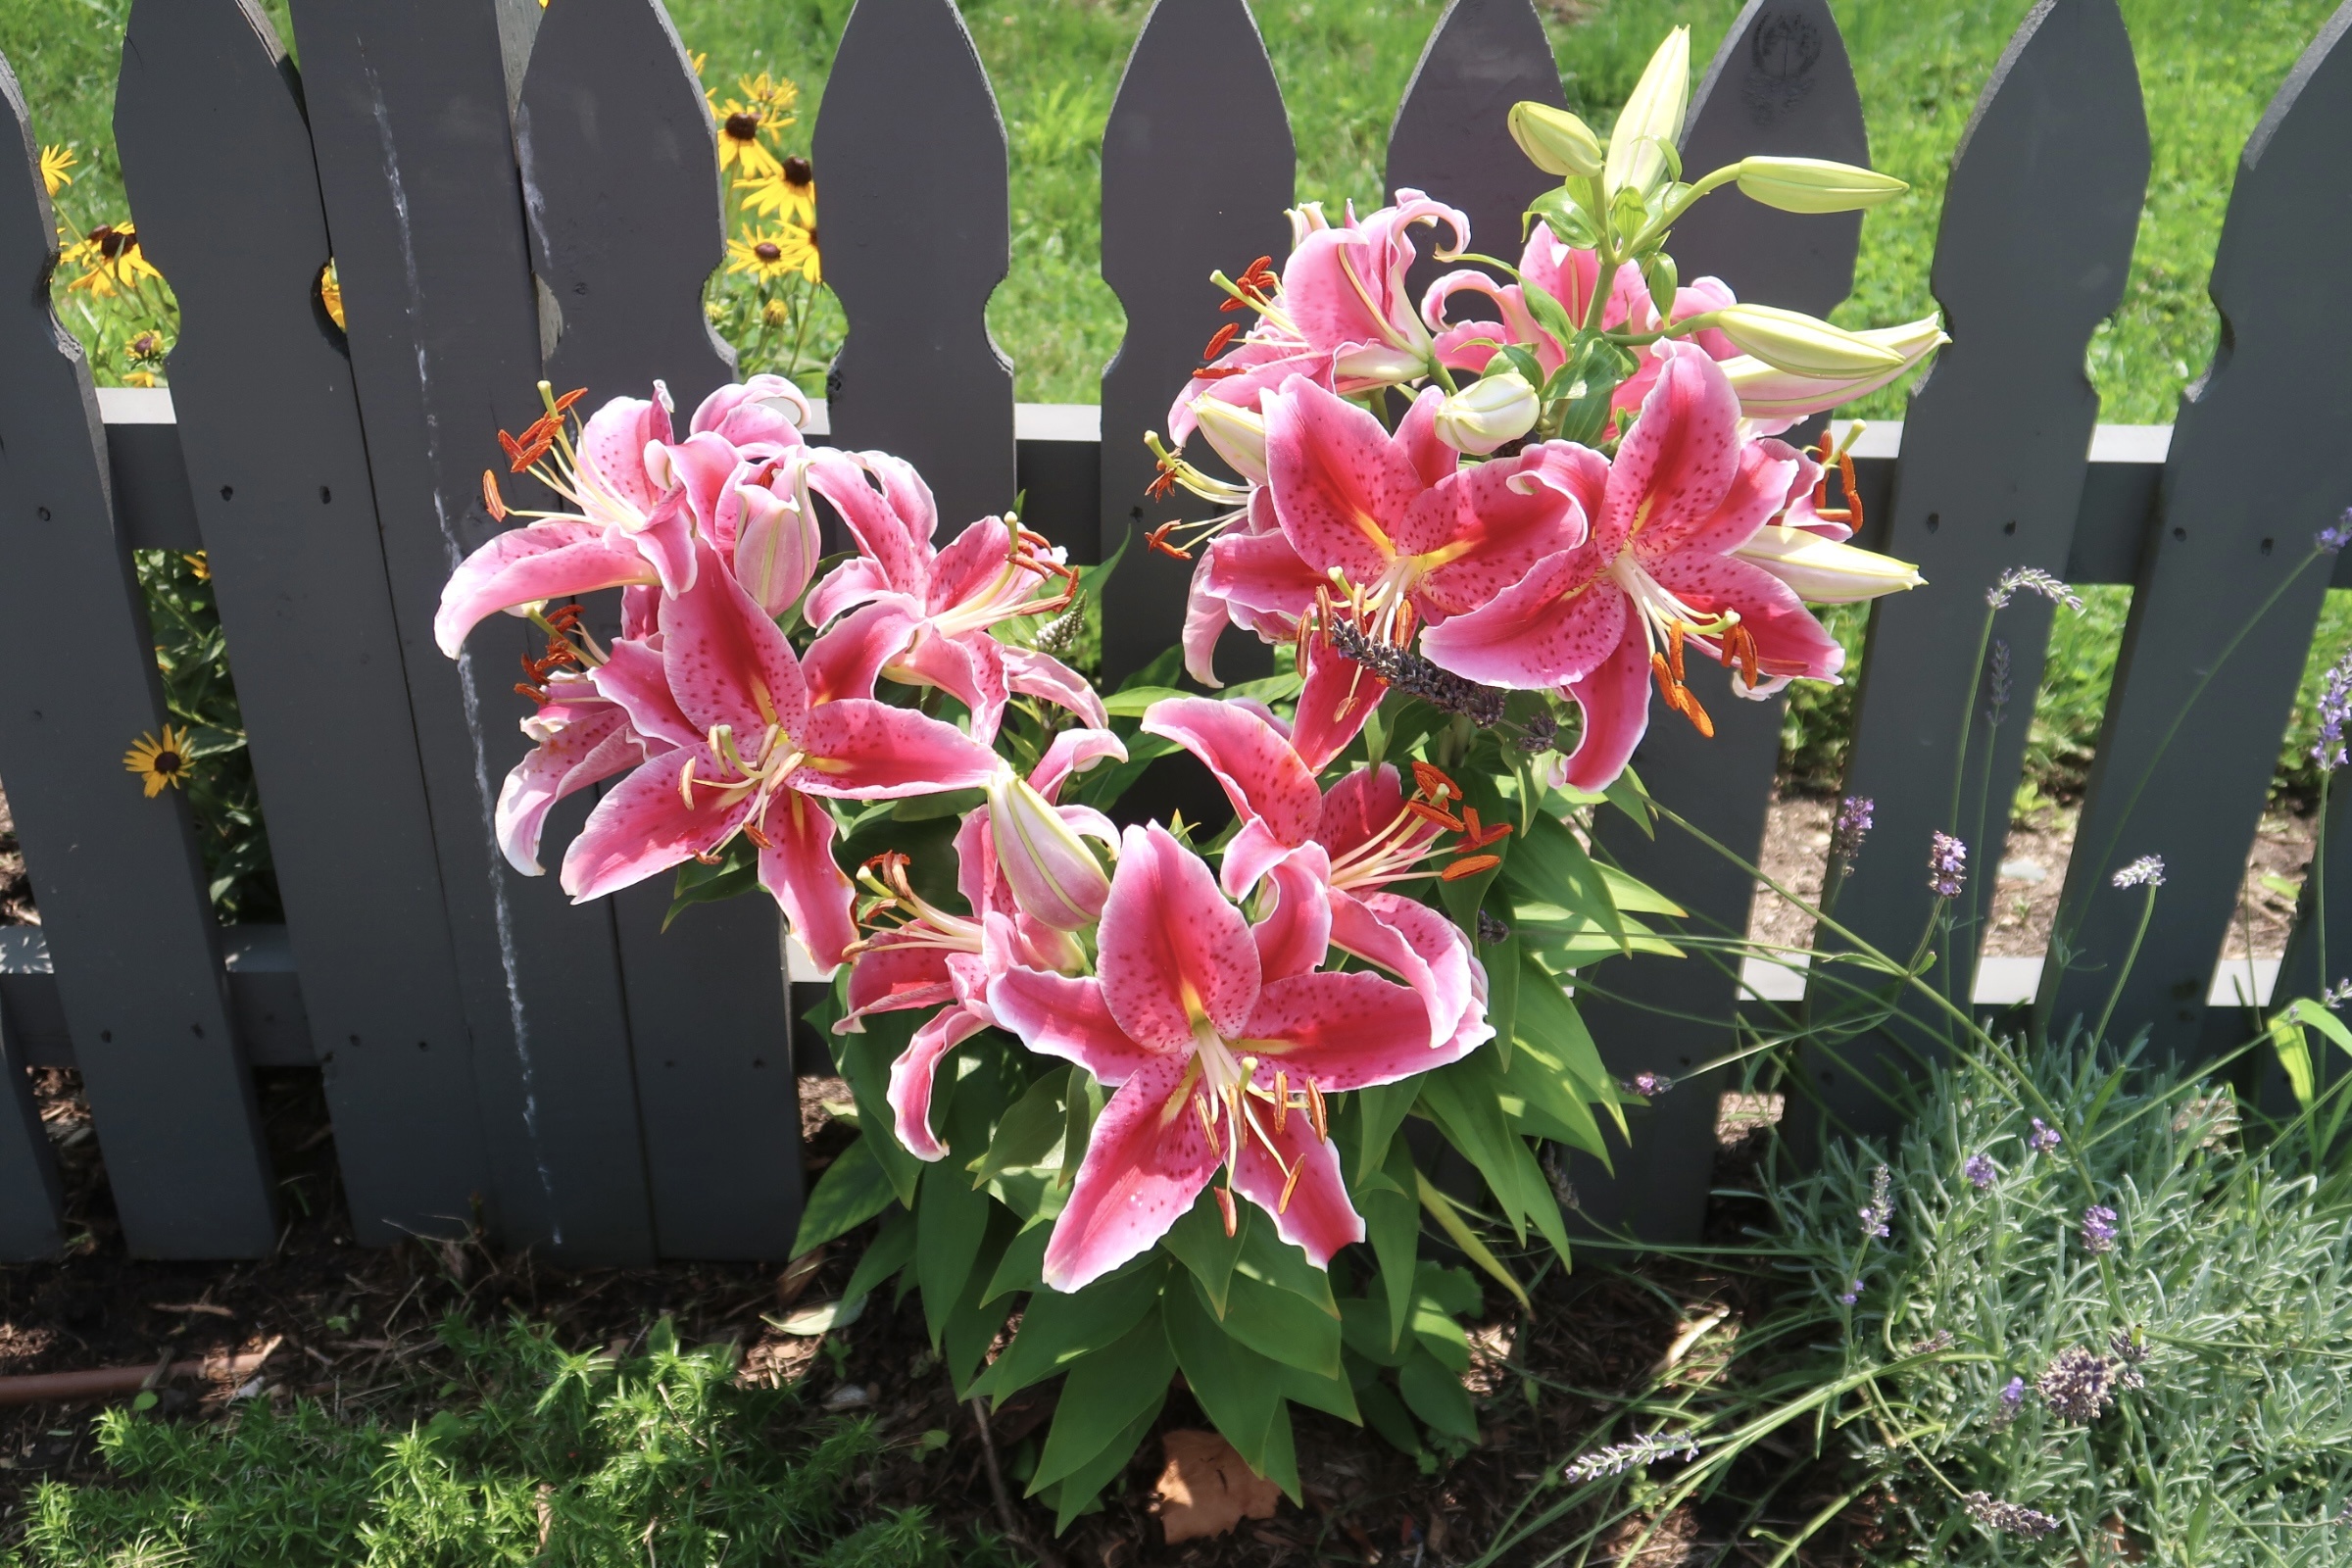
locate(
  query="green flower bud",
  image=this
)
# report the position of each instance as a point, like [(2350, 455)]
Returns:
[(1663, 278), (1555, 140), (1815, 184), (1653, 119), (1800, 344)]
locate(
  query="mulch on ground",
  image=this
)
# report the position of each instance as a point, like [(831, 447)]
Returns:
[(354, 1328)]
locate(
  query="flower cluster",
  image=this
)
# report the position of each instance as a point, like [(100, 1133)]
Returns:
[(2010, 1518), (2145, 872), (2098, 1229), (1981, 1171), (1947, 866), (1639, 1454), (2079, 1382), (1487, 536), (1847, 832), (1880, 1208)]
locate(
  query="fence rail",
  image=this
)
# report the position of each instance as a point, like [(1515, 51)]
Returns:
[(497, 206)]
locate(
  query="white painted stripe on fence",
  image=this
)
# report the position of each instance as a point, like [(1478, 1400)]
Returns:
[(2006, 982), (2146, 444), (135, 404)]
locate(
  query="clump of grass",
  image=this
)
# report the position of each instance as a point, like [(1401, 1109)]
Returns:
[(537, 1456)]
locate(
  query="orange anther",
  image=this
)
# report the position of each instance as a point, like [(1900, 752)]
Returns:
[(1435, 784), (1469, 867), (1282, 1100), (1435, 813), (564, 403), (759, 839), (1225, 334), (1289, 1184), (1157, 539), (1319, 1112), (1477, 836), (491, 499), (1225, 1208)]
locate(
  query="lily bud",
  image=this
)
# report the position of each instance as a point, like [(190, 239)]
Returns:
[(1822, 571), (776, 547), (1653, 119), (1803, 345), (1054, 876), (1767, 393), (1488, 413), (1815, 184), (1555, 141), (1238, 435)]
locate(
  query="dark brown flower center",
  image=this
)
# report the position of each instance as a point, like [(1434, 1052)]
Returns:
[(797, 170), (743, 127), (767, 250), (167, 762)]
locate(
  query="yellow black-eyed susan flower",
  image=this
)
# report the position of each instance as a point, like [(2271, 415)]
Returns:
[(55, 162), (771, 254), (788, 196), (331, 294), (159, 763), (111, 261), (741, 127)]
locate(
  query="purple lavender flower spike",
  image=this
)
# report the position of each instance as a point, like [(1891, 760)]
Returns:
[(1979, 1171), (1853, 1294), (1881, 1208), (2009, 1518), (1848, 830), (2145, 872), (2333, 540), (2336, 705), (2033, 580), (1947, 866), (2044, 1138), (2098, 1229), (2012, 1399)]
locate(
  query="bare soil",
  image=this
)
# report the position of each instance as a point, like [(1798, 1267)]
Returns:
[(2031, 874)]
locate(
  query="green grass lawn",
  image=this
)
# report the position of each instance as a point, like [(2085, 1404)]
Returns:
[(2207, 66)]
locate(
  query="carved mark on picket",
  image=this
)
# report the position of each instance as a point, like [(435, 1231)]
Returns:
[(2032, 251), (2191, 785), (1183, 194), (916, 236), (1452, 136), (1779, 83), (122, 892), (407, 109), (617, 147), (617, 154), (269, 432)]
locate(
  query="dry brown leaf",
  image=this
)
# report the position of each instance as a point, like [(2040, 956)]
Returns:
[(1207, 1487)]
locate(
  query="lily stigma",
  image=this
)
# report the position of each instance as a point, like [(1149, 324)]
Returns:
[(1227, 1087)]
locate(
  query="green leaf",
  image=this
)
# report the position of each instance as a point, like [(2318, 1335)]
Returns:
[(853, 1189), (1023, 1267), (1449, 1219), (929, 807), (1100, 1398), (1364, 1331), (1383, 1110), (1437, 1396), (891, 1250), (1269, 1260), (1392, 1213), (864, 1059), (950, 1219), (1281, 1325), (1199, 1241), (973, 1324), (1549, 313), (2294, 1058), (1332, 1394), (1624, 792), (1238, 1390), (1386, 1415), (1130, 702), (1502, 962), (1549, 866), (1057, 1327), (1027, 1133), (2305, 1010)]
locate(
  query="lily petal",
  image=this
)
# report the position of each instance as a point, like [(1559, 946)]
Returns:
[(1171, 948), (798, 870), (1145, 1161), (910, 1077), (1069, 1018), (559, 558), (643, 827)]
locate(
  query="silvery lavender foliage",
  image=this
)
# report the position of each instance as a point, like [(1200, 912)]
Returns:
[(2145, 872), (2098, 1229), (2010, 1518), (1411, 674), (2043, 1137), (1947, 866), (2079, 1382), (1881, 1208), (1939, 1340), (1639, 1454), (1996, 681), (2033, 580), (2334, 539), (2336, 705), (1848, 830), (1981, 1171)]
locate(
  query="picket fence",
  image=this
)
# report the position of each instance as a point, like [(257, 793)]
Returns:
[(509, 192)]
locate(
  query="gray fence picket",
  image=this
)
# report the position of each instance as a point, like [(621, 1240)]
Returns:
[(408, 118), (2034, 248), (2225, 554), (617, 153), (1183, 194), (916, 236), (269, 432), (1452, 135), (122, 891), (1779, 83), (29, 1193)]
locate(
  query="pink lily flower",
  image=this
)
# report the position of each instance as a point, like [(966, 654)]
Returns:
[(1339, 314), (752, 755), (1659, 571), (1414, 536), (1568, 275), (583, 738), (933, 957), (945, 600), (1217, 1061), (633, 522), (1332, 856)]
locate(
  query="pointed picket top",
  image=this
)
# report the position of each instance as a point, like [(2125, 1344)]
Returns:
[(2036, 243), (1452, 136), (1185, 193), (2191, 785), (1781, 84), (916, 234), (618, 152)]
